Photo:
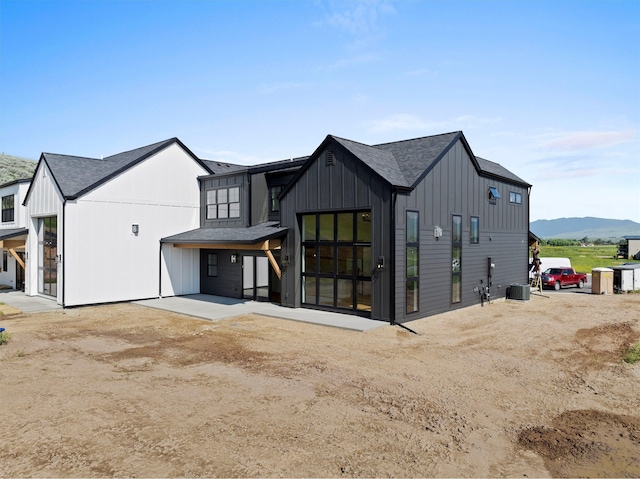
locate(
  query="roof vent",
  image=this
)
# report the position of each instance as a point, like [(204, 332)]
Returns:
[(330, 159)]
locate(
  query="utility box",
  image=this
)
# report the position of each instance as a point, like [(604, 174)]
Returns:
[(602, 281), (626, 277), (519, 291)]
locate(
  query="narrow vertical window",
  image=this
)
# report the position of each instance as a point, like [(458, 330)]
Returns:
[(5, 260), (274, 191), (8, 214), (474, 232), (456, 258), (212, 265), (413, 261)]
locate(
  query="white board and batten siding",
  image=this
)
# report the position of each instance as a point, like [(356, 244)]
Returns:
[(105, 261), (45, 199), (19, 191)]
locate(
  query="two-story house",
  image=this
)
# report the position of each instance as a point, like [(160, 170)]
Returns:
[(394, 232)]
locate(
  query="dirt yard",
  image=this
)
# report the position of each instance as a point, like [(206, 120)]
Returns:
[(518, 389)]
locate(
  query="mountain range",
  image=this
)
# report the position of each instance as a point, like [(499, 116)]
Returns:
[(589, 227)]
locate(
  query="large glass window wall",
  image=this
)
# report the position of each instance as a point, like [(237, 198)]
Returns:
[(336, 260)]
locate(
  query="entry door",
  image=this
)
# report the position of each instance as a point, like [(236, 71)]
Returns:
[(47, 260), (255, 278)]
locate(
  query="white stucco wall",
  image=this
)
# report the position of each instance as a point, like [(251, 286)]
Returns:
[(104, 260)]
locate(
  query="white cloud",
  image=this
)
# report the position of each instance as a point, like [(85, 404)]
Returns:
[(358, 18), (585, 140)]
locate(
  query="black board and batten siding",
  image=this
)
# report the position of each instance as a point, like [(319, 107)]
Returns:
[(454, 187), (346, 184), (225, 181)]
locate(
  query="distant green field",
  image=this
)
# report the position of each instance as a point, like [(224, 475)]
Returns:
[(584, 259)]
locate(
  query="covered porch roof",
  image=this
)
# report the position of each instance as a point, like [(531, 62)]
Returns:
[(14, 240), (263, 237), (234, 237)]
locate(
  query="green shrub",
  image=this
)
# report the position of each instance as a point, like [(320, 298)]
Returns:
[(633, 354)]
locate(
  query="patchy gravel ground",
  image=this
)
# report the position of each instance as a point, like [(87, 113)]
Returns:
[(534, 388)]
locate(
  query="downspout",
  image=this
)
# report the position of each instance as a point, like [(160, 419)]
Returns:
[(392, 259), (160, 271), (64, 257)]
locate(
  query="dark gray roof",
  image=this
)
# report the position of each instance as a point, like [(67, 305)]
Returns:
[(219, 167), (76, 175), (248, 235), (379, 160), (12, 233), (416, 156), (404, 163), (495, 169)]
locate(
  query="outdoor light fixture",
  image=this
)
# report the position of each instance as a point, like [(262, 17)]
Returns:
[(234, 258), (437, 232), (135, 229)]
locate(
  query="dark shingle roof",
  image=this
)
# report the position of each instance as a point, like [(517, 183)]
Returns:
[(404, 163), (12, 233), (219, 167), (379, 160), (416, 156), (241, 235), (495, 169), (76, 175)]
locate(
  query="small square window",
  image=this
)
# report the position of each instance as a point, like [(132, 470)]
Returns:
[(515, 198), (493, 193)]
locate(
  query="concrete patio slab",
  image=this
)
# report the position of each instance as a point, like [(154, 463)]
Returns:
[(27, 304), (215, 308)]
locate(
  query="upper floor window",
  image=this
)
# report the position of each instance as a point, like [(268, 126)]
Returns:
[(274, 191), (8, 211), (223, 203), (515, 198)]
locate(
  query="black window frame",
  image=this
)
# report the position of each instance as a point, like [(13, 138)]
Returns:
[(274, 203), (8, 209), (456, 272), (474, 239), (412, 283), (212, 266), (323, 260), (515, 198), (225, 206)]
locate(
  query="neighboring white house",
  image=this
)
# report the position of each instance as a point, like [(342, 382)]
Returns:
[(95, 225), (13, 232)]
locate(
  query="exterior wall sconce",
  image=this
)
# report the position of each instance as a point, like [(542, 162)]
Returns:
[(437, 232), (135, 229), (234, 258), (380, 264)]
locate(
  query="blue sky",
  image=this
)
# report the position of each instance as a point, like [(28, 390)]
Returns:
[(548, 89)]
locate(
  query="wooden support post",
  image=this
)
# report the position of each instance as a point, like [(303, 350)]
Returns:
[(17, 258), (274, 263)]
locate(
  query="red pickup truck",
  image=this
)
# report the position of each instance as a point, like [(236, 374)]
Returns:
[(559, 277)]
